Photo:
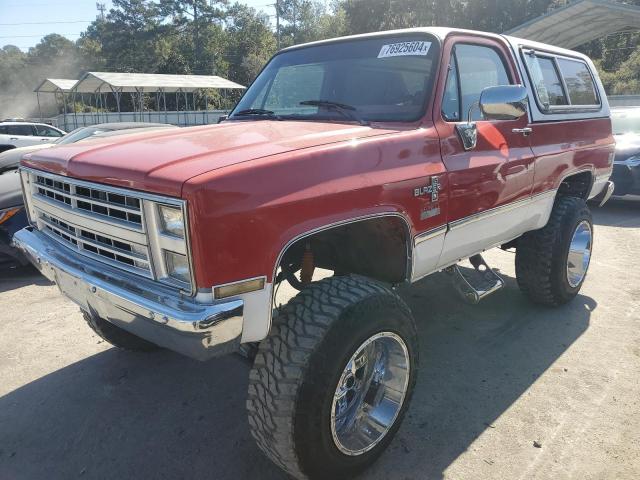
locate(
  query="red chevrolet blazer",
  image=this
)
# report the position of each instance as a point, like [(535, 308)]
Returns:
[(381, 158)]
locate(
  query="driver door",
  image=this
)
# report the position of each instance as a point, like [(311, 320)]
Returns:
[(492, 180)]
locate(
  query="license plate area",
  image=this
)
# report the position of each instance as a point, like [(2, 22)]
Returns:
[(71, 287)]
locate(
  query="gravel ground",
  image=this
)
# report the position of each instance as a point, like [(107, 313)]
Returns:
[(506, 390)]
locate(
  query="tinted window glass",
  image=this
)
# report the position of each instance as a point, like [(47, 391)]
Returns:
[(3, 130), (545, 80), (551, 83), (385, 79), (579, 82), (293, 84), (79, 134), (478, 68), (20, 130)]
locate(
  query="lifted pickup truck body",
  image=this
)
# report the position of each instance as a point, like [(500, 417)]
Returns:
[(375, 198)]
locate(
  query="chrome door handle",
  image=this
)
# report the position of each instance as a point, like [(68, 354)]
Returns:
[(525, 131)]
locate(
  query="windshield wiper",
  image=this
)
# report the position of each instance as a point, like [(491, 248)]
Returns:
[(349, 111), (257, 112)]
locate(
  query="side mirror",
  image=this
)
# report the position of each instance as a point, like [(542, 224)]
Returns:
[(222, 118), (505, 102)]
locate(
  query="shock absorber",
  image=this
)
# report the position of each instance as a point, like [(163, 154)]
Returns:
[(307, 267)]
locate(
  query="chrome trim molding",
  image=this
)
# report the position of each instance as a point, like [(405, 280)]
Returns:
[(499, 210), (141, 306), (338, 224), (429, 234), (118, 190)]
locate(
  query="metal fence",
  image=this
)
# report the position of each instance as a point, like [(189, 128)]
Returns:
[(71, 121)]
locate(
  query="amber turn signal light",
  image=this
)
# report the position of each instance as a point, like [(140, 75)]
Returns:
[(239, 288)]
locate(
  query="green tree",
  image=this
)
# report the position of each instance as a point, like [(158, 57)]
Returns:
[(250, 43), (195, 19)]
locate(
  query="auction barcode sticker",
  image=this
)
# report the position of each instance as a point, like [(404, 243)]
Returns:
[(404, 49)]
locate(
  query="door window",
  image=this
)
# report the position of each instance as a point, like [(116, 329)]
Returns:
[(474, 68), (20, 130), (44, 131)]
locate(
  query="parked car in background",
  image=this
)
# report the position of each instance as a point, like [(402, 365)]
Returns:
[(10, 159), (626, 165), (12, 213), (13, 217), (21, 134)]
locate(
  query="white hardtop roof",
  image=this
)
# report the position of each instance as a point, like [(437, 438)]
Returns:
[(580, 22), (440, 33), (92, 82), (51, 85)]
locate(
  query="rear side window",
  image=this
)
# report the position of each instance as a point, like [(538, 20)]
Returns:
[(560, 83), (550, 86), (579, 82), (20, 130)]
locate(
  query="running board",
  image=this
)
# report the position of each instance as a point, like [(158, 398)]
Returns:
[(474, 285)]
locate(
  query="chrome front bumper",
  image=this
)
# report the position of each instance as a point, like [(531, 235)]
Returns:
[(141, 306)]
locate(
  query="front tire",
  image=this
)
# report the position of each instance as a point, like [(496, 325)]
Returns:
[(552, 263), (342, 353)]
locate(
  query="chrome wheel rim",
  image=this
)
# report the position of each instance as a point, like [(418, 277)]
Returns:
[(370, 393), (579, 254)]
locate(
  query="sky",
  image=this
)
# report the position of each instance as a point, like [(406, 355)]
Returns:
[(24, 22)]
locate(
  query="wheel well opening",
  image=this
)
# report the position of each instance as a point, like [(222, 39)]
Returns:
[(577, 185), (376, 248)]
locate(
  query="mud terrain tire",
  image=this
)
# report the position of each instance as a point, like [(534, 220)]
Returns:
[(542, 256), (298, 366)]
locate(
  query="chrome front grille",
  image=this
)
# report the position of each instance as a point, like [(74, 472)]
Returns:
[(119, 227), (92, 199), (107, 249)]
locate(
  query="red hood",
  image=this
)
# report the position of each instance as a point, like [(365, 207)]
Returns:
[(161, 162)]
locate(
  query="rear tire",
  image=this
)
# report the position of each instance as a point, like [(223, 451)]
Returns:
[(300, 370), (116, 336), (545, 270)]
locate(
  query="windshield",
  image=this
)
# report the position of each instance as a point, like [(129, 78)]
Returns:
[(78, 134), (376, 79), (625, 121)]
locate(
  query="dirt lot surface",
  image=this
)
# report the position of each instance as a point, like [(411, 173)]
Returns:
[(495, 378)]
